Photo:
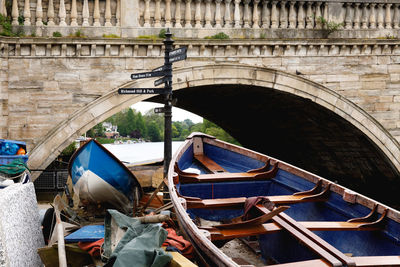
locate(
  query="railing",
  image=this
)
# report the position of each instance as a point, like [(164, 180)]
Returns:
[(205, 14)]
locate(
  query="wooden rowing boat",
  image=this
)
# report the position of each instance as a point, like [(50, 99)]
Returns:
[(100, 178), (297, 218)]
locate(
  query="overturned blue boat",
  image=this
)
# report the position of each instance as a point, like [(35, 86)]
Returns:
[(99, 177), (296, 218)]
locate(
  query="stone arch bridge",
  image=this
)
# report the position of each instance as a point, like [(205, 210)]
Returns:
[(285, 83)]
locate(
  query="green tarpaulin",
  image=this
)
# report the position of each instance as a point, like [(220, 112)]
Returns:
[(140, 246)]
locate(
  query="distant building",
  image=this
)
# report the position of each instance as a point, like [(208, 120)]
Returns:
[(111, 131)]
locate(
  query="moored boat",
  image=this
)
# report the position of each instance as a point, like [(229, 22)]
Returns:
[(296, 217), (99, 177)]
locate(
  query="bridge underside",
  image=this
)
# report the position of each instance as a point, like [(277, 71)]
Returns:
[(298, 131)]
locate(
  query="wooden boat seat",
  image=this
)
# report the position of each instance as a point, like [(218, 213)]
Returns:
[(256, 174), (315, 194), (209, 164), (364, 261)]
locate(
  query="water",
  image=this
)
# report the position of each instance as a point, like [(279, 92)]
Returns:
[(140, 152)]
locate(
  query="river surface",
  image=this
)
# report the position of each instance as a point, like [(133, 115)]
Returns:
[(140, 152)]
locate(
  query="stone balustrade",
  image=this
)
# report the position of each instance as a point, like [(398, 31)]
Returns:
[(133, 18), (67, 47)]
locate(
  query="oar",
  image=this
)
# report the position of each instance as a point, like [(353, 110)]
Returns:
[(62, 257)]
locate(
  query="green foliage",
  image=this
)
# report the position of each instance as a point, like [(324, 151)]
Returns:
[(79, 34), (329, 26), (218, 36), (151, 127), (7, 29), (69, 150), (111, 36), (162, 33), (57, 34)]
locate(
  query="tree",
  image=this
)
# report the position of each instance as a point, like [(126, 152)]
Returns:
[(141, 124), (153, 132)]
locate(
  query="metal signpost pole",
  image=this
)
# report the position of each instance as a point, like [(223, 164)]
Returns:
[(168, 42)]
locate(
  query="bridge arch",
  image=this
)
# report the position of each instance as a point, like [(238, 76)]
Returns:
[(222, 75)]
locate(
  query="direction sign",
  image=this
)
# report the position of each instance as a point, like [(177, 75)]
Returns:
[(177, 58), (178, 51), (161, 68), (160, 81), (159, 110), (128, 91), (147, 75)]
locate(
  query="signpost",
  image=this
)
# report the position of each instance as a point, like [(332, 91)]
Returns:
[(164, 71)]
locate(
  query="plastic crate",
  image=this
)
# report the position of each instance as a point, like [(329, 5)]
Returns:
[(6, 159)]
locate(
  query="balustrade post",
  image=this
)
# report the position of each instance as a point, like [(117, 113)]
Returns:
[(197, 15), (300, 16), (3, 9), (236, 14), (118, 14), (255, 14), (178, 14), (372, 18), (157, 14), (396, 16), (364, 17), (274, 15), (265, 17), (347, 21), (74, 14), (50, 14), (388, 18), (14, 12), (107, 14), (96, 14), (146, 15), (246, 14), (188, 14), (318, 24), (356, 20), (207, 16), (380, 16), (167, 13), (227, 17), (62, 14), (292, 15), (218, 14), (309, 16), (27, 13), (85, 13), (283, 22), (39, 13)]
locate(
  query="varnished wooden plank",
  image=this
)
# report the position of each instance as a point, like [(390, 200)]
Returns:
[(309, 263), (369, 261), (209, 164)]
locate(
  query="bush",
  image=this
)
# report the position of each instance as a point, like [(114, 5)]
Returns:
[(219, 36), (57, 34)]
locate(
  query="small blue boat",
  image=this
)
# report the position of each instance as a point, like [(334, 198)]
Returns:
[(294, 217), (99, 177)]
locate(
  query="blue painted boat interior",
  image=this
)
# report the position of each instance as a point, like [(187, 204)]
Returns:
[(94, 158), (281, 246)]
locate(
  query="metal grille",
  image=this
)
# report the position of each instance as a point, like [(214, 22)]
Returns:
[(51, 180)]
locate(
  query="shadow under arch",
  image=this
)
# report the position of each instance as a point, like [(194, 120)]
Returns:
[(212, 78)]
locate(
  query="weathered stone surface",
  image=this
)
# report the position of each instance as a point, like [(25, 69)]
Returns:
[(20, 233)]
